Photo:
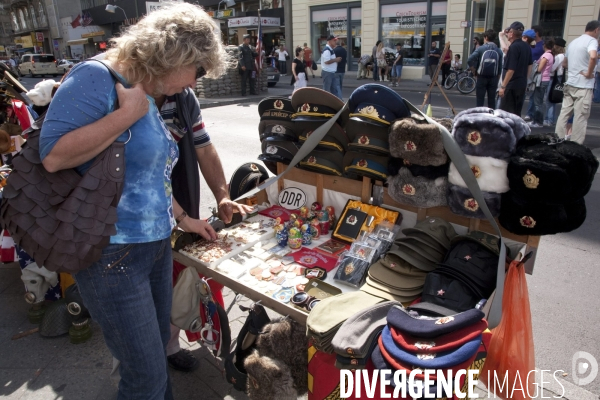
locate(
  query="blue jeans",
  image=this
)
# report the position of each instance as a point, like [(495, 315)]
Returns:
[(531, 108), (540, 104), (397, 71), (596, 98), (337, 88), (551, 114), (375, 71), (129, 292), (328, 81)]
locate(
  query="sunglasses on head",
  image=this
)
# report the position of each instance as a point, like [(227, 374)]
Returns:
[(200, 72)]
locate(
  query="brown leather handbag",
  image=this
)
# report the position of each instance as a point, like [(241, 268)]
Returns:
[(62, 220)]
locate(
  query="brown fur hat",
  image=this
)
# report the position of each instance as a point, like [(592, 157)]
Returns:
[(417, 142), (286, 341), (268, 379)]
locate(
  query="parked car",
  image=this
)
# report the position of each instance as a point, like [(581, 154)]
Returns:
[(272, 76), (66, 64), (38, 64)]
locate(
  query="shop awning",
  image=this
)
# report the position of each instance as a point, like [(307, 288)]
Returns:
[(24, 50), (77, 41)]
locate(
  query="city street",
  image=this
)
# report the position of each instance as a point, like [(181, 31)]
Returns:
[(563, 289)]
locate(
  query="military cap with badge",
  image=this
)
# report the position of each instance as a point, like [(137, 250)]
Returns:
[(277, 133)]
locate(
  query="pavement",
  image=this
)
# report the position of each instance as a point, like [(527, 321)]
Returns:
[(563, 290)]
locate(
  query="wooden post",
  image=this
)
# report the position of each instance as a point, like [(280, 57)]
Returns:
[(319, 185), (280, 183), (365, 195), (434, 81)]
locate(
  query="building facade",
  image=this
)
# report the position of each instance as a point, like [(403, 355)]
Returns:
[(417, 23)]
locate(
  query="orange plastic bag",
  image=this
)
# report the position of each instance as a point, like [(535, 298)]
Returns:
[(509, 370)]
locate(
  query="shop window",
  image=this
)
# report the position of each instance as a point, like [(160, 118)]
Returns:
[(325, 23), (356, 32), (33, 17), (550, 15), (495, 15)]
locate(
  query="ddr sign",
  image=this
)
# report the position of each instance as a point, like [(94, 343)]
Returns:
[(292, 198)]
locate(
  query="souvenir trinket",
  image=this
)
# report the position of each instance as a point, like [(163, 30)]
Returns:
[(295, 238)]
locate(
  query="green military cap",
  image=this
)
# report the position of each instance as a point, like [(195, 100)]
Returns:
[(490, 241), (386, 294), (423, 244), (389, 276), (413, 257), (394, 290), (420, 249), (438, 229)]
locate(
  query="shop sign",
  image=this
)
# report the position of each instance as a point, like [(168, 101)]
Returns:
[(1, 48), (292, 198), (252, 21), (55, 44), (26, 41), (337, 26), (155, 6), (92, 34), (39, 36), (465, 24), (18, 41), (221, 14)]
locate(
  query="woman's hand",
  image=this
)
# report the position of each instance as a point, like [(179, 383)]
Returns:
[(227, 207), (133, 103), (200, 227)]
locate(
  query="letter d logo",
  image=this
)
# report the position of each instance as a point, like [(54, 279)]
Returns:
[(581, 367)]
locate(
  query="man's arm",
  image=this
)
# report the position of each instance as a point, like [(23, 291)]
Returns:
[(507, 78), (591, 64), (565, 63)]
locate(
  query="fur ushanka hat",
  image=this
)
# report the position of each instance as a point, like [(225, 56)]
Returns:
[(518, 125), (525, 217), (489, 172), (462, 202), (549, 170), (483, 134), (426, 171), (417, 142), (417, 191)]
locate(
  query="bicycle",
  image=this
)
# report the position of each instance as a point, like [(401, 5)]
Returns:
[(452, 78), (466, 84)]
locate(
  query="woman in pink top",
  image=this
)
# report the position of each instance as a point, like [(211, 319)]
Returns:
[(544, 68)]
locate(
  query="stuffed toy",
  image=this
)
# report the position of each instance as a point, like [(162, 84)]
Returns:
[(417, 191)]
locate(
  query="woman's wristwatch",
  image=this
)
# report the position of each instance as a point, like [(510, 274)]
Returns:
[(181, 217)]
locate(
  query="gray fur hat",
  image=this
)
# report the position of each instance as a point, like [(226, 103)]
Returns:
[(417, 191), (490, 173), (518, 125), (481, 133), (461, 202), (417, 142), (268, 378)]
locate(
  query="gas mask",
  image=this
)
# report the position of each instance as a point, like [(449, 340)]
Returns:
[(37, 282)]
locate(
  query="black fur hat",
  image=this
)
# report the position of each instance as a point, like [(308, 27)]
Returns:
[(461, 202), (480, 133), (417, 191), (524, 217), (417, 142), (426, 171)]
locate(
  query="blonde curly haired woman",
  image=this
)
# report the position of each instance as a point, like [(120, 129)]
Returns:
[(128, 291)]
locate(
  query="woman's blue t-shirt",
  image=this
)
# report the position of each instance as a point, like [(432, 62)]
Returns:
[(145, 211)]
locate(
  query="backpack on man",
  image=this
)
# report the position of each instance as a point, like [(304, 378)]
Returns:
[(489, 66)]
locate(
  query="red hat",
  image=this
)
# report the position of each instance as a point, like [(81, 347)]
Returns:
[(446, 342)]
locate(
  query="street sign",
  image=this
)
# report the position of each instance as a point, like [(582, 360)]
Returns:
[(465, 24), (154, 6), (39, 36), (252, 21)]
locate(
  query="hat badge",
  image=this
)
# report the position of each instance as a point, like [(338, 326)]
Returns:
[(476, 171), (467, 257), (426, 356), (362, 163), (530, 180), (363, 140), (406, 162), (351, 220), (441, 292), (370, 111), (471, 205), (278, 129), (278, 104), (408, 190), (305, 107), (349, 351), (527, 222), (354, 361), (253, 167), (392, 265), (424, 345), (312, 160), (271, 150), (410, 146), (444, 320), (474, 138)]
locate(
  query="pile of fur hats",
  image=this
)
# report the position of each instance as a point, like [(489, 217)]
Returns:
[(420, 166), (488, 138), (278, 136), (277, 368), (548, 179), (312, 108), (373, 109)]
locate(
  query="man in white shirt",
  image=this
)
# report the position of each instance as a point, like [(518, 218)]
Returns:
[(596, 98), (282, 58), (580, 62), (329, 64)]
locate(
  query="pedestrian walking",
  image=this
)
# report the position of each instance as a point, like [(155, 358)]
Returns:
[(545, 63), (329, 64), (580, 61), (476, 43), (515, 69), (246, 65), (533, 36), (374, 59), (300, 79), (596, 98), (282, 57), (382, 66), (397, 66), (487, 61), (342, 54), (433, 59), (308, 61), (558, 70), (446, 64), (362, 66)]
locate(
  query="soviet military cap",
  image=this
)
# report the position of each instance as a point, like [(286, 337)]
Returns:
[(325, 162), (334, 139), (413, 257), (377, 103), (419, 325), (245, 178), (368, 138), (423, 244), (395, 279), (386, 293), (419, 248), (417, 191), (355, 336), (283, 129), (361, 164), (275, 109), (394, 287), (402, 267), (438, 229), (313, 104), (278, 149), (483, 238), (462, 202)]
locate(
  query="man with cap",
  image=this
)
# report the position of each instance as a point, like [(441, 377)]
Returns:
[(533, 37), (580, 62), (516, 69), (246, 64), (341, 53), (329, 63), (397, 66)]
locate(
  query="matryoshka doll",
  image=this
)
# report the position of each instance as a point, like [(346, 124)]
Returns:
[(281, 235), (315, 228), (331, 212), (324, 222), (294, 238), (306, 234)]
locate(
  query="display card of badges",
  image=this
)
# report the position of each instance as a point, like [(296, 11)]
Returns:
[(231, 241)]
